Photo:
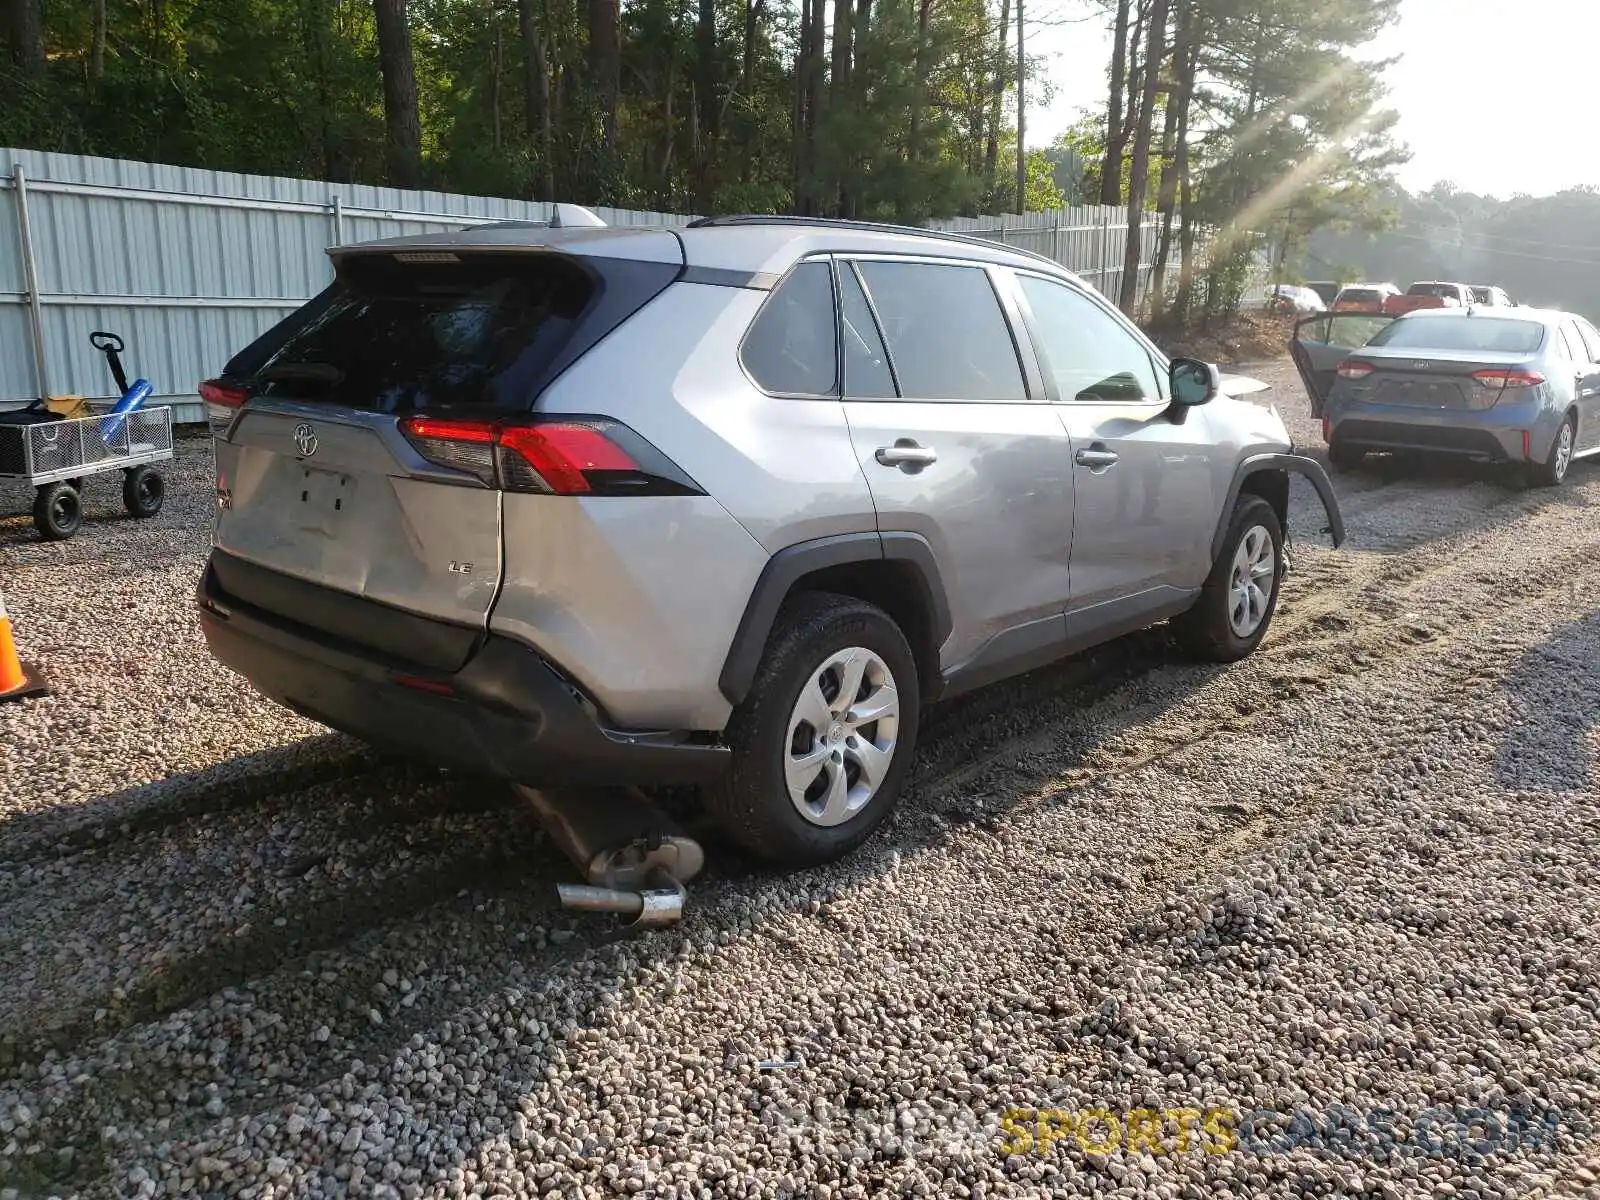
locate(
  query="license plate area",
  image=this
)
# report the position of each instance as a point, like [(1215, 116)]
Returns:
[(324, 500)]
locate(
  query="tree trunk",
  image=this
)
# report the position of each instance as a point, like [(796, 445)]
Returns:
[(605, 64), (815, 78), (802, 104), (497, 53), (1186, 61), (1111, 167), (747, 81), (97, 43), (1133, 87), (22, 24), (991, 149), (839, 86), (919, 84), (402, 128), (536, 96), (706, 115), (1191, 66), (1174, 125), (1139, 168), (314, 42)]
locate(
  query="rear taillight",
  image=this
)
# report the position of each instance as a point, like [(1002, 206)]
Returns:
[(222, 404), (1508, 377), (556, 456), (1350, 369)]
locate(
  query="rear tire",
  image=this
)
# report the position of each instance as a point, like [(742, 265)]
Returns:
[(1553, 471), (800, 790), (143, 490), (1240, 595), (57, 511)]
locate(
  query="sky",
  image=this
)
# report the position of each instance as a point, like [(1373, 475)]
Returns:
[(1530, 134)]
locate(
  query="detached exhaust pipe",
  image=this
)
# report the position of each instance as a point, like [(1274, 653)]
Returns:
[(650, 907), (634, 859)]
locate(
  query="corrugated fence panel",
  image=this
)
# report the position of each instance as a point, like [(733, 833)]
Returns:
[(189, 265), (16, 339)]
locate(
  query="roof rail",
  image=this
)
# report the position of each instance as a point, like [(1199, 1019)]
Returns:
[(867, 227)]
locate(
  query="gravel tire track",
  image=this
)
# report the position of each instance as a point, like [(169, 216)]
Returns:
[(1356, 868)]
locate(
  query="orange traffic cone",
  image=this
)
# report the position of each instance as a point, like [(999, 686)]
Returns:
[(17, 682)]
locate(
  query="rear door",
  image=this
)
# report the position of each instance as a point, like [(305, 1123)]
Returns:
[(314, 478), (959, 448), (1586, 344), (1322, 342)]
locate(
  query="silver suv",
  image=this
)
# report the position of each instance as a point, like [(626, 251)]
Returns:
[(726, 504)]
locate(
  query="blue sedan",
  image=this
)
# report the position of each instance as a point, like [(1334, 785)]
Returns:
[(1518, 386)]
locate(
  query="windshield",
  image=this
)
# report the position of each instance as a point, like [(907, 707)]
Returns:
[(1491, 335), (1483, 295)]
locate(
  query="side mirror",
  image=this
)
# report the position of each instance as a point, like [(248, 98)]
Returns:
[(1193, 382)]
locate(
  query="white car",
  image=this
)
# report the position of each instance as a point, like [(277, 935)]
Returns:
[(1284, 298)]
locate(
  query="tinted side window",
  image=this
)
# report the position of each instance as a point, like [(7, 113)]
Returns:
[(1591, 340), (948, 337), (866, 363), (1090, 356), (791, 348)]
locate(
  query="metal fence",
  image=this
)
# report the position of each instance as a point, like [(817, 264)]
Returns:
[(190, 265)]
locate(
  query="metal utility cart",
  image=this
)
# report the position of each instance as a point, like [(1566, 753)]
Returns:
[(56, 453)]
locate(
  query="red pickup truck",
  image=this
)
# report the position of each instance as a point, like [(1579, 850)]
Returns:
[(1429, 294)]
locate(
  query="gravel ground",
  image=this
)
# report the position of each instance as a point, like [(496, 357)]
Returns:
[(1353, 874)]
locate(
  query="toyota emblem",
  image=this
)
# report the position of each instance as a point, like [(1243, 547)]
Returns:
[(305, 439)]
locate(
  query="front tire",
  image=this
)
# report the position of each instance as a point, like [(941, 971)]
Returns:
[(822, 743), (57, 511), (1240, 595)]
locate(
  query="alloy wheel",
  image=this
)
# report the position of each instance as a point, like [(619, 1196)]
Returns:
[(843, 733)]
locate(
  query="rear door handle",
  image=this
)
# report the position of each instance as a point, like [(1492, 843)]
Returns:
[(906, 454), (1095, 456)]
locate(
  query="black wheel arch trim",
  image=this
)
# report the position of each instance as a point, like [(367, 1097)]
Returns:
[(791, 564), (1296, 463)]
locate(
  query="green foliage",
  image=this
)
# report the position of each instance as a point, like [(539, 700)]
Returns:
[(705, 116)]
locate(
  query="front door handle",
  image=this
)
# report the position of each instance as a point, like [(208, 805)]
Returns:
[(906, 454), (1095, 456)]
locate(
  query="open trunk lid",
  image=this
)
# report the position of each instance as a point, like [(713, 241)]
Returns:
[(317, 480)]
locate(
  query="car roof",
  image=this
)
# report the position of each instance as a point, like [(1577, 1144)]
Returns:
[(753, 244), (1481, 313)]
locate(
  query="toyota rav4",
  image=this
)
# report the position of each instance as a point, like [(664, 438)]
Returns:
[(726, 504)]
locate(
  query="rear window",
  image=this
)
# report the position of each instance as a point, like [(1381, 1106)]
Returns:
[(1493, 335), (1359, 294), (1431, 289), (396, 337)]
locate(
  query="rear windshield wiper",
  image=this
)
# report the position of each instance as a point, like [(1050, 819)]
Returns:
[(316, 372)]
